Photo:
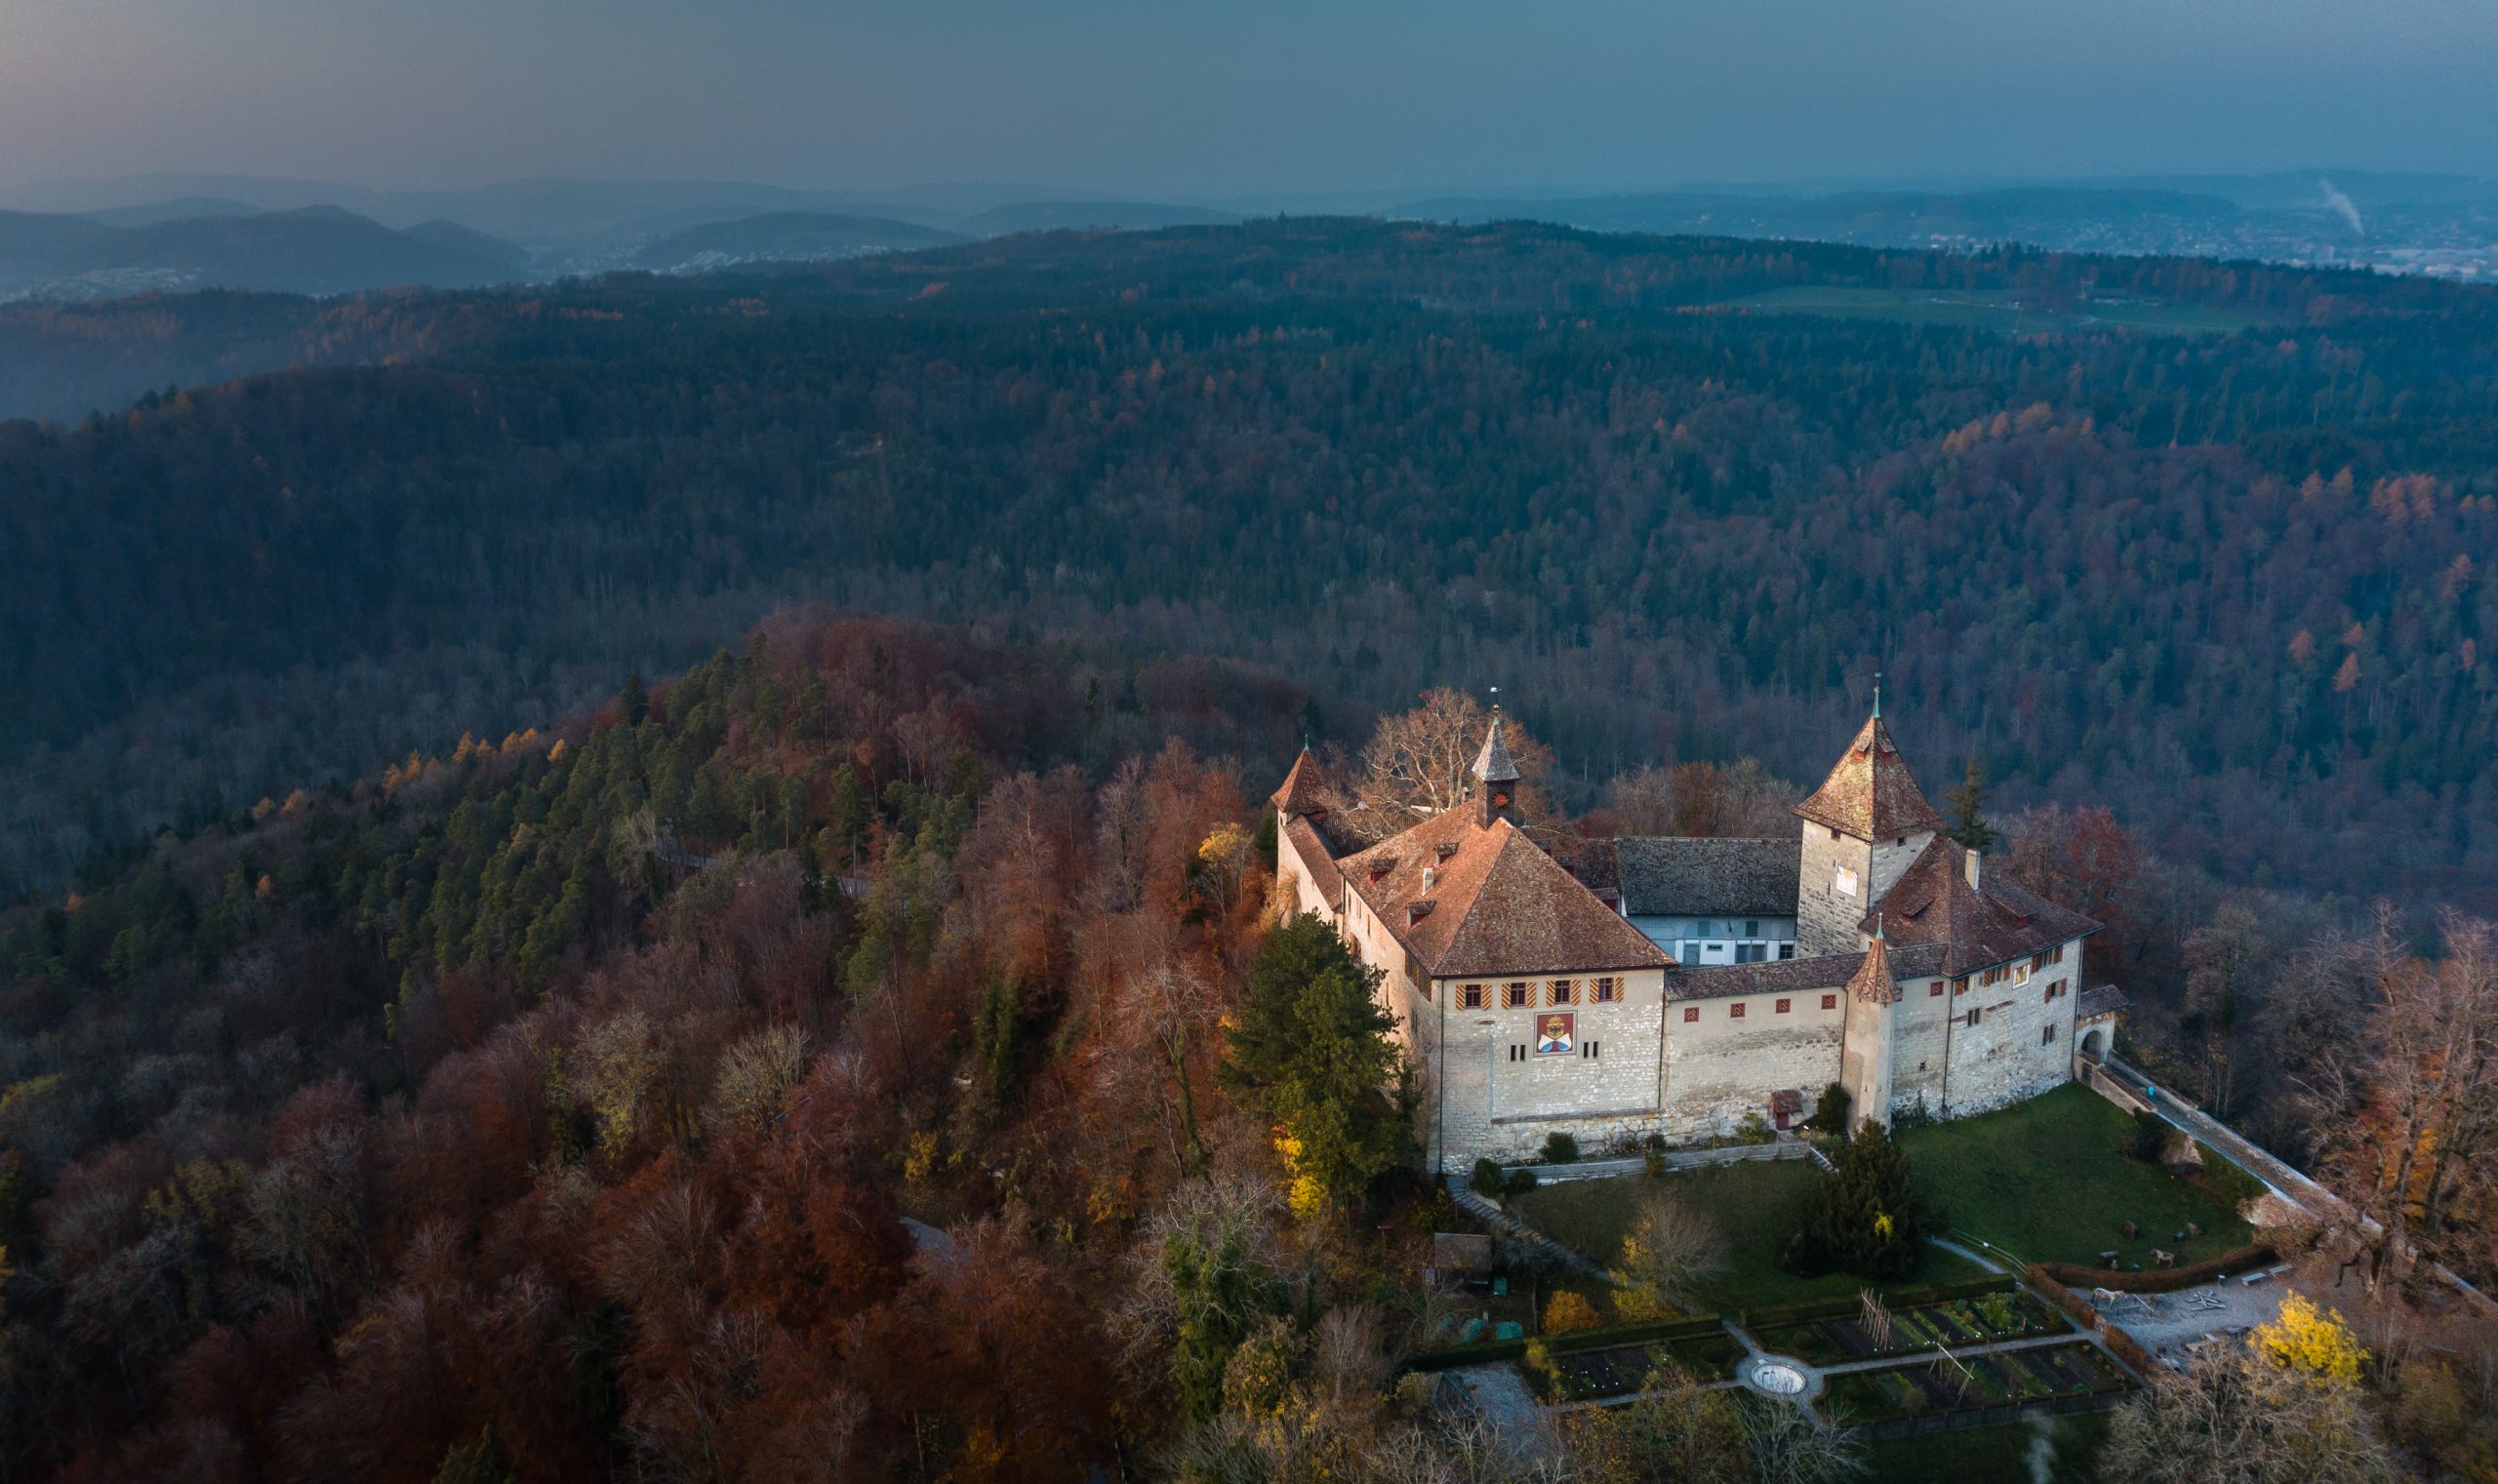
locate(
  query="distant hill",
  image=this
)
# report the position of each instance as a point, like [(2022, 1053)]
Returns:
[(1080, 215), (30, 242), (319, 249), (785, 236), (184, 209)]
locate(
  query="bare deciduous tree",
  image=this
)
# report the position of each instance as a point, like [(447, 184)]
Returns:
[(2409, 1112), (1671, 1245), (2236, 1419), (1420, 762)]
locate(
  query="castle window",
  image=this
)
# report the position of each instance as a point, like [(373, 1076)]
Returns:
[(1608, 990), (1785, 1006), (1834, 830), (1934, 988), (1704, 929), (1518, 996), (1690, 1014), (1752, 927), (1588, 1049), (2046, 1035), (1735, 1012), (2055, 955), (1973, 1018), (2038, 961), (1563, 992), (1471, 997), (1830, 1002), (1787, 950)]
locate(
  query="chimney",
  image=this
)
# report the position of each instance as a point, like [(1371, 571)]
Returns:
[(1970, 869), (1430, 878)]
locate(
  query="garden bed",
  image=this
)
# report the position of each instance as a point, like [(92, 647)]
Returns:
[(2009, 1378)]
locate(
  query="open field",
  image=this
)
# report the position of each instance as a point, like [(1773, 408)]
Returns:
[(2049, 1181), (1755, 1205), (2005, 311)]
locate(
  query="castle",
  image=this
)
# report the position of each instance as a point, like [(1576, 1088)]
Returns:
[(1680, 987)]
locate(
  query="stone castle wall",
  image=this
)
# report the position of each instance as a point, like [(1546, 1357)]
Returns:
[(1722, 1066), (1494, 1095), (1826, 918)]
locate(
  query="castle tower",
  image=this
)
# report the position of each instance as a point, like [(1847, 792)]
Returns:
[(1305, 789), (1496, 779), (1862, 827), (1865, 1049)]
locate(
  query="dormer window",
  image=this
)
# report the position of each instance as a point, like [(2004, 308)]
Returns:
[(1447, 848)]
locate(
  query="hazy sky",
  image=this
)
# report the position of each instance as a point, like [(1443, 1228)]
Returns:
[(1190, 98)]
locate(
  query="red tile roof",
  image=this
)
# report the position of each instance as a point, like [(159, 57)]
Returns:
[(1870, 793), (1977, 927), (1305, 842), (1500, 904), (1304, 789), (1871, 980)]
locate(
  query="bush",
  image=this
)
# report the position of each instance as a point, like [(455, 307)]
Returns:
[(1915, 1117), (1487, 1180), (1755, 1129), (1569, 1311), (1521, 1181), (1829, 1114), (1655, 1158), (1560, 1148)]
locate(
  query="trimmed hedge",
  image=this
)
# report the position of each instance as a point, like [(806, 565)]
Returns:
[(1603, 1337), (2127, 1349), (1896, 1299), (2063, 1297), (2162, 1280)]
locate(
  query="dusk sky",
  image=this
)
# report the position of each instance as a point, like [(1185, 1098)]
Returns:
[(1184, 98)]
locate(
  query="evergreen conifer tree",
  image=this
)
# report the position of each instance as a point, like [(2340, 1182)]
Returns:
[(1866, 1216), (1311, 1042), (1968, 801)]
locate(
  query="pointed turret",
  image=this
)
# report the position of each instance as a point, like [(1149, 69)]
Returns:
[(1496, 779), (1872, 982), (1305, 788), (1870, 793)]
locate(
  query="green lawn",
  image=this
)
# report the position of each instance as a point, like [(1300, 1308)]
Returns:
[(2049, 1181), (2002, 310), (1755, 1206), (1991, 1455)]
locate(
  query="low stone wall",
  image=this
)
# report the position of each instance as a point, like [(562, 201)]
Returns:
[(1674, 1160)]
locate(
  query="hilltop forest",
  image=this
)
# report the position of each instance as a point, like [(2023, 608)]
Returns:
[(2230, 582), (875, 1054)]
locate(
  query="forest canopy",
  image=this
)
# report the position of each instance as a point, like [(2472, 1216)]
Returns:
[(2232, 584)]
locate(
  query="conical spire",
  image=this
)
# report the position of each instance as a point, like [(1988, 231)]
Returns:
[(1304, 789), (1872, 982), (1870, 793), (1495, 765)]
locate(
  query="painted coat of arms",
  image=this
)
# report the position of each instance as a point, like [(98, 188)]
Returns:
[(1556, 1034)]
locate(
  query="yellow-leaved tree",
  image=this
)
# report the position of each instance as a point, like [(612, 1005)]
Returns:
[(2310, 1341)]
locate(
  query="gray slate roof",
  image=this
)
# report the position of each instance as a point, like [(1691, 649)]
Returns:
[(1795, 976), (1668, 875), (2098, 1000)]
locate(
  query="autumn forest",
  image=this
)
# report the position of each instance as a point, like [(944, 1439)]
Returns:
[(669, 878)]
